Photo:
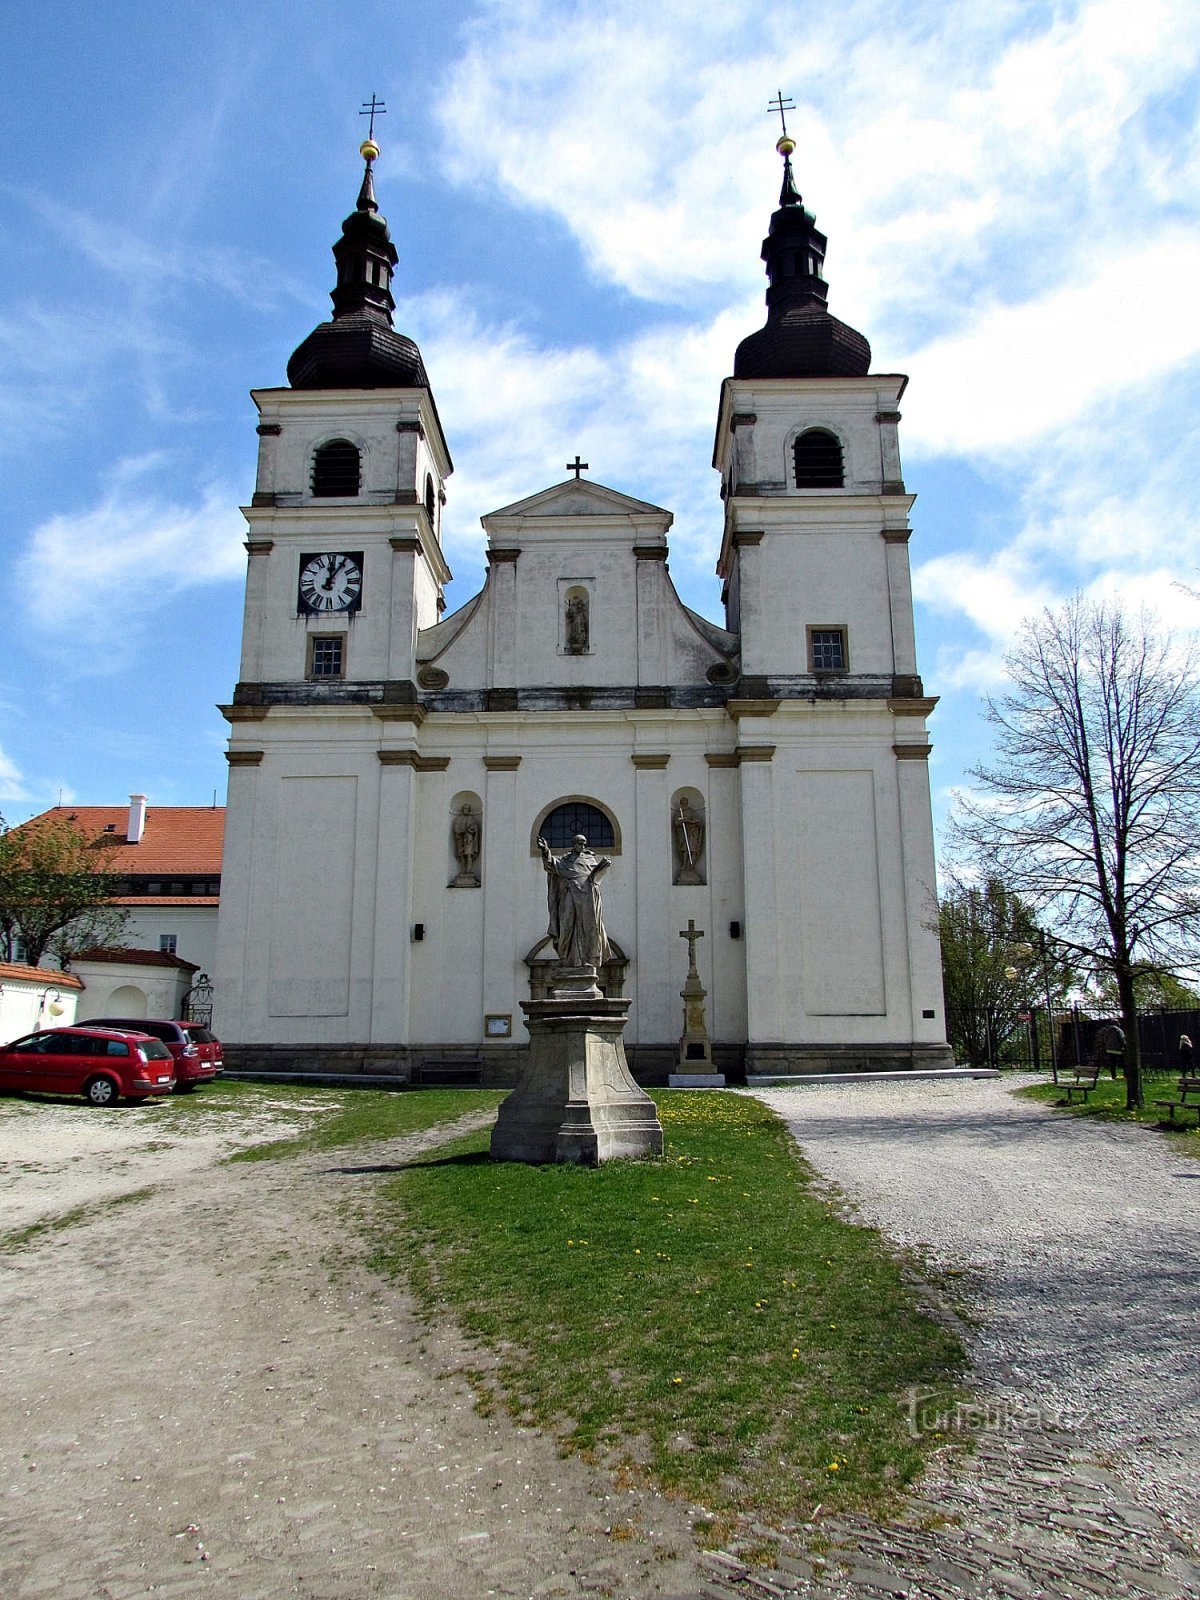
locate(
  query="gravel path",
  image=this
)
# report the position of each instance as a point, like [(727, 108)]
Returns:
[(1078, 1250)]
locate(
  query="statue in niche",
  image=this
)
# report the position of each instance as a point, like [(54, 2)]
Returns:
[(577, 625), (687, 828), (464, 837), (573, 897)]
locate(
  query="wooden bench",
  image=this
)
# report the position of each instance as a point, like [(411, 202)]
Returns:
[(1187, 1086), (1082, 1080)]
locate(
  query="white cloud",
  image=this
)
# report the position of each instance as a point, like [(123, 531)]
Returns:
[(1017, 372), (640, 412), (930, 140), (13, 786), (78, 568)]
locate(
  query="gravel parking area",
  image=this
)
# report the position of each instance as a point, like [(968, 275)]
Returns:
[(205, 1390)]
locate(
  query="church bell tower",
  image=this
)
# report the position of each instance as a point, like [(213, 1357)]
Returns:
[(345, 570), (830, 706)]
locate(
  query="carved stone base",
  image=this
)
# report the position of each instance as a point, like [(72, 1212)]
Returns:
[(576, 1100)]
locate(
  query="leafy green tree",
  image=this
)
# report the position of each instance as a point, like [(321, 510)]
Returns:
[(56, 885), (993, 968), (1090, 810)]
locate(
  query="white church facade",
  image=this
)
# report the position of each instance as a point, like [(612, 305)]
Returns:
[(383, 905)]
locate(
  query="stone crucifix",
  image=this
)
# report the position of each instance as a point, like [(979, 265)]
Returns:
[(691, 933), (695, 1049)]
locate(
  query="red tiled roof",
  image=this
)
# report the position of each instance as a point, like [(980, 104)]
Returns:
[(50, 976), (176, 839), (166, 900), (137, 958)]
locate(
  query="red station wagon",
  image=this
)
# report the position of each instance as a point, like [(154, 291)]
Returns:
[(101, 1064), (196, 1050)]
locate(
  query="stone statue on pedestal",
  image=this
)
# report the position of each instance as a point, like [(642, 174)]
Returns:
[(464, 834), (573, 898), (576, 1100), (688, 828)]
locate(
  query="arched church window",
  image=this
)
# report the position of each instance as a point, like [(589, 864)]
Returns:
[(336, 469), (819, 460), (577, 816), (429, 498)]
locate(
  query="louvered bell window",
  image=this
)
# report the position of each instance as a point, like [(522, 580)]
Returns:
[(336, 469), (819, 460)]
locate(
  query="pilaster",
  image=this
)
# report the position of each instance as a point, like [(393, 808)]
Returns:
[(509, 874), (391, 964), (761, 926), (650, 862)]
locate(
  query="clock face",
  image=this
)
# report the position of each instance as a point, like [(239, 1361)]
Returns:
[(331, 582)]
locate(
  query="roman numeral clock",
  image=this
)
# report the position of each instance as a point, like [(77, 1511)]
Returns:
[(330, 581)]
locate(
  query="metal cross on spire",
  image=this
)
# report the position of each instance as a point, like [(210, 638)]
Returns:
[(782, 103), (577, 466), (372, 108)]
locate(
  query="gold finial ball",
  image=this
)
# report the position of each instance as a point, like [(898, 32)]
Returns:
[(369, 150), (785, 146)]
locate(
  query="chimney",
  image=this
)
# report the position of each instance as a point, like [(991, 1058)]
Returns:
[(137, 819)]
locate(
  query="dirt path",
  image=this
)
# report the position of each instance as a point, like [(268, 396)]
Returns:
[(204, 1390)]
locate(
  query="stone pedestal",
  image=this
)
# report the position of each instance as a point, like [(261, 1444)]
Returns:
[(576, 1100)]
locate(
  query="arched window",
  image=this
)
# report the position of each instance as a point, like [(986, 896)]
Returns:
[(336, 469), (429, 498), (819, 460), (577, 816)]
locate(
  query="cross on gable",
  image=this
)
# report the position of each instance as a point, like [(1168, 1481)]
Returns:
[(577, 466)]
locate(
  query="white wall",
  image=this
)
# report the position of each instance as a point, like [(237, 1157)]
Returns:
[(45, 1001)]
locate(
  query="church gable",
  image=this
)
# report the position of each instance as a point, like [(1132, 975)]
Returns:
[(577, 599)]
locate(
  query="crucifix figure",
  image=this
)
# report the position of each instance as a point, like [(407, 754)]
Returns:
[(372, 108), (577, 466), (691, 933)]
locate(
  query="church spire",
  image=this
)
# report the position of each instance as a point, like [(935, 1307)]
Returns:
[(801, 339), (359, 349), (365, 254)]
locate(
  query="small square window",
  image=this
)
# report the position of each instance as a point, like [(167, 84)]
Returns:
[(327, 655), (168, 943), (827, 649)]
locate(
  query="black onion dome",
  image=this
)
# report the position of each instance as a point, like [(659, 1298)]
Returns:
[(801, 339), (356, 353), (359, 348), (803, 344)]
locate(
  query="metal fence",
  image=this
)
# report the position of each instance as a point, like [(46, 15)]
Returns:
[(1074, 1032)]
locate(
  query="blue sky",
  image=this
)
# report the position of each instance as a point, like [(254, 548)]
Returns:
[(578, 193)]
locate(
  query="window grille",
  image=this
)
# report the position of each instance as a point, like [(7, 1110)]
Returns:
[(327, 659), (828, 647), (576, 816)]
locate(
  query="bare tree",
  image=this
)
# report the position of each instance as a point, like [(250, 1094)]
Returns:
[(1091, 810)]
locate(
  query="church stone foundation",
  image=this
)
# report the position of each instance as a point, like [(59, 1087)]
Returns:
[(769, 1062)]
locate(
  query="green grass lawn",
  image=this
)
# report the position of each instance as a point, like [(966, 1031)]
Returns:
[(706, 1320), (1107, 1102)]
